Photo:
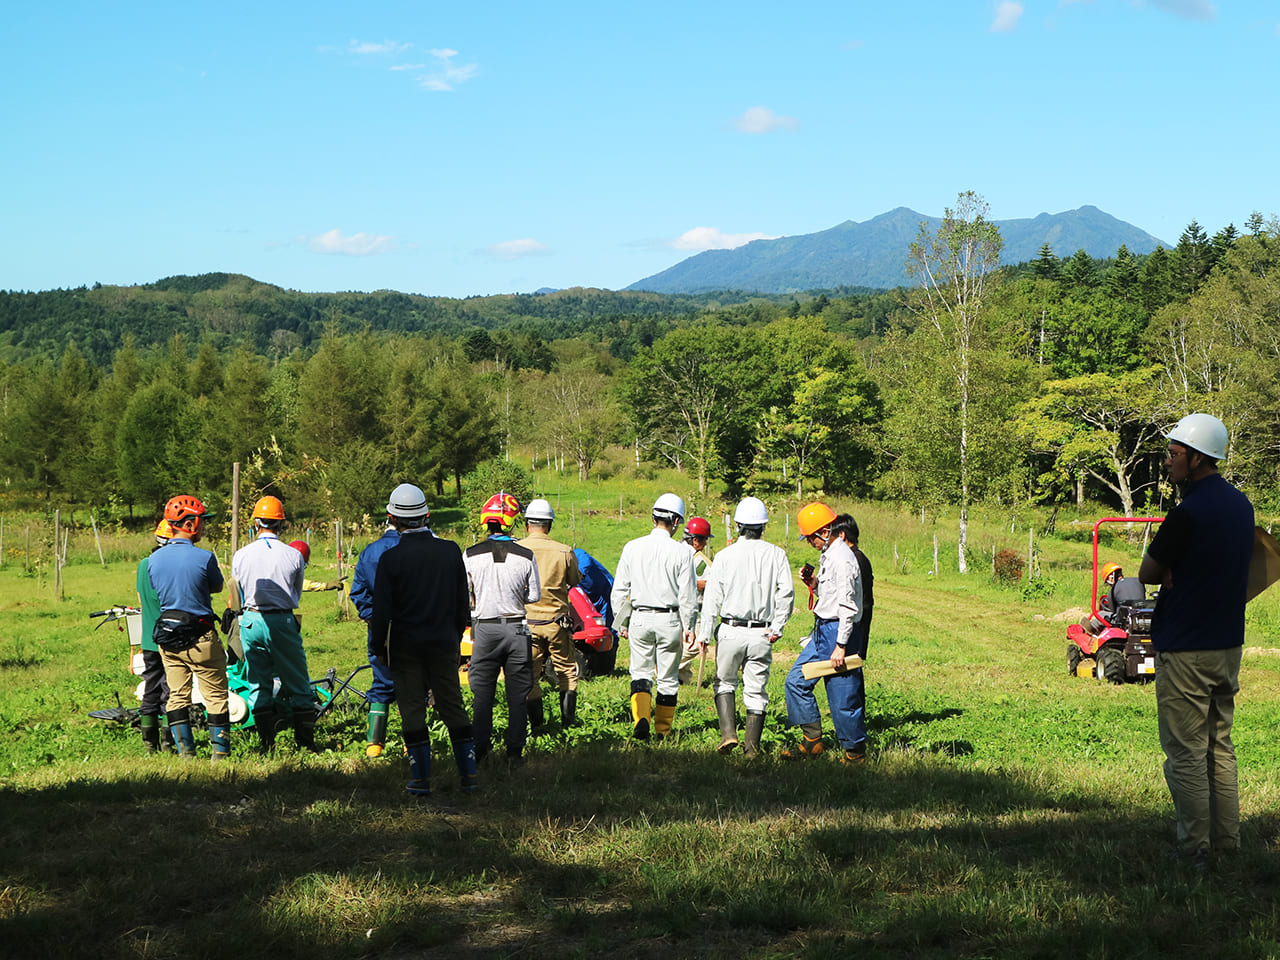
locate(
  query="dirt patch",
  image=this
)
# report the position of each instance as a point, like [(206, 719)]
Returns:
[(1070, 615)]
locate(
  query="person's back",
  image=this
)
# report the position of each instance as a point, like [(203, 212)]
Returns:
[(423, 586), (1209, 544)]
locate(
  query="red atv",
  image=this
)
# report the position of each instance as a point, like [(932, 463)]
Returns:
[(1119, 647), (596, 645)]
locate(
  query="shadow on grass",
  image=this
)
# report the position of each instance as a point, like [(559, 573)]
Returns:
[(609, 848)]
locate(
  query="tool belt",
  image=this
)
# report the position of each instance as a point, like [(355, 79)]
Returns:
[(177, 630), (560, 621)]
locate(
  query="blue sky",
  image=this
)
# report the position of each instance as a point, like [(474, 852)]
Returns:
[(451, 149)]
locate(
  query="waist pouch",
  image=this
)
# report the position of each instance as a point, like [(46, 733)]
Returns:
[(177, 630)]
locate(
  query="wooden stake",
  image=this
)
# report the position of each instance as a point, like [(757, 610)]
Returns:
[(57, 567), (235, 506), (94, 520)]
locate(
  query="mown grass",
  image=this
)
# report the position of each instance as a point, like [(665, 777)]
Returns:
[(1008, 811)]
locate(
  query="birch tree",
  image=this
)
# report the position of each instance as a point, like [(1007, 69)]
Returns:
[(953, 266)]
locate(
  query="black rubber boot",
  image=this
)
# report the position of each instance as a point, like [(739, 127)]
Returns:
[(304, 729), (264, 721), (726, 711), (537, 715), (751, 738), (568, 707)]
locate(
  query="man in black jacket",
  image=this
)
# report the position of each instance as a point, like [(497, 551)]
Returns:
[(420, 610)]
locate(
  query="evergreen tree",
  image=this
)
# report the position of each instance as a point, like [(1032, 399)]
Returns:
[(1046, 266)]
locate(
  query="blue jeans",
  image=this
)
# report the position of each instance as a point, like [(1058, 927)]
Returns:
[(846, 695), (383, 688)]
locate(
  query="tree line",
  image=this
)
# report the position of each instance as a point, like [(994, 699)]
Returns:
[(1045, 382)]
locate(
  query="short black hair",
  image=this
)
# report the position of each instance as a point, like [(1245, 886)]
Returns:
[(845, 525)]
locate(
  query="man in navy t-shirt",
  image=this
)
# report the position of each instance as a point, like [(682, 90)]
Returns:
[(1200, 558)]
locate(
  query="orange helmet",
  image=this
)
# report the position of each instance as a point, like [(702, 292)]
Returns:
[(814, 517), (502, 508), (183, 507), (268, 508), (164, 531), (1108, 569)]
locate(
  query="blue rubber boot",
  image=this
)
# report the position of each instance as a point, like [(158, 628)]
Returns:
[(180, 727), (220, 735), (418, 746), (464, 754)]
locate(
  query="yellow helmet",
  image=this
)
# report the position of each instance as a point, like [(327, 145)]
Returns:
[(814, 517), (1108, 569)]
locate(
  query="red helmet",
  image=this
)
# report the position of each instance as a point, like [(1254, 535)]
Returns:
[(697, 527), (502, 508), (303, 548), (183, 507)]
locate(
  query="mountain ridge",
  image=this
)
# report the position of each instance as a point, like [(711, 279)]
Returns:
[(872, 253)]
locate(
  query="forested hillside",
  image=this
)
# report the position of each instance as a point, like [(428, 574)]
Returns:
[(117, 397)]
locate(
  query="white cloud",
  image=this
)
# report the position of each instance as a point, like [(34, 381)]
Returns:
[(758, 120), (356, 245), (1190, 9), (710, 238), (386, 46), (515, 249), (1008, 13), (447, 74), (408, 66)]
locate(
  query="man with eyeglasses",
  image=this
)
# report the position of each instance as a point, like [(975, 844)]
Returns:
[(1200, 558)]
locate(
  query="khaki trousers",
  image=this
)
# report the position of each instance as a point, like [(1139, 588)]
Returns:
[(550, 640), (206, 660), (1195, 704)]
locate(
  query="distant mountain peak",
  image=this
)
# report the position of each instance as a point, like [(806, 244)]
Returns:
[(874, 253)]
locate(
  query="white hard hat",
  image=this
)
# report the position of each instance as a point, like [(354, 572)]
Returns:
[(751, 512), (1201, 432), (668, 505), (539, 510), (408, 502)]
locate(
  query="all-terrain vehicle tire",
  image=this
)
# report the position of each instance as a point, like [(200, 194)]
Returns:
[(1110, 665), (1073, 659), (594, 664)]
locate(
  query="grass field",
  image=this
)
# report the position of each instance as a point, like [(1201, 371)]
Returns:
[(1008, 810)]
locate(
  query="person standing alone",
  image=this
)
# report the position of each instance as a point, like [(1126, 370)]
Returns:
[(1200, 557)]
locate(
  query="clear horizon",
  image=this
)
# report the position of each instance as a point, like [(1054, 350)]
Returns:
[(474, 152)]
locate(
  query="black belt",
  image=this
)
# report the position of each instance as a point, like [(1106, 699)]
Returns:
[(744, 623), (500, 620), (654, 609)]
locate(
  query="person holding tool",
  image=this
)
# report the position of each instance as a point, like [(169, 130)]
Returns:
[(836, 610)]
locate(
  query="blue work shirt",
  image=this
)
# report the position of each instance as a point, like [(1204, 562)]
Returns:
[(1206, 541), (185, 577), (596, 583), (366, 568)]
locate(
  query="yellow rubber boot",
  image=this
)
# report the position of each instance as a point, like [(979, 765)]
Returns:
[(641, 705), (663, 715)]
